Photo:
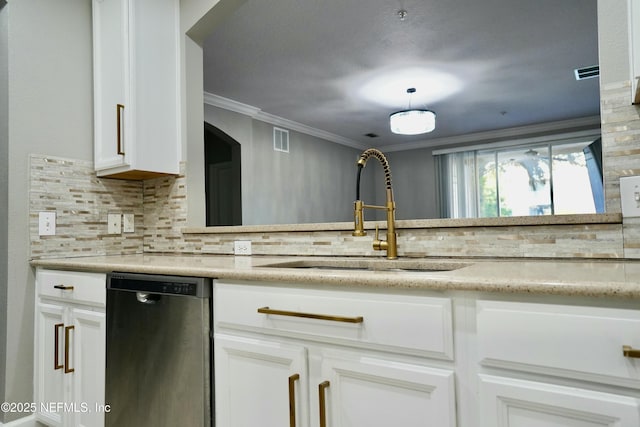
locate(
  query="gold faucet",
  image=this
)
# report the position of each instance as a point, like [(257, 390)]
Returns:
[(390, 245)]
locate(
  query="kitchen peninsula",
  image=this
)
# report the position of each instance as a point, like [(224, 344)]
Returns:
[(539, 339)]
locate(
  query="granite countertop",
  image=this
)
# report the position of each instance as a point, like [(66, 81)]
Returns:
[(551, 277)]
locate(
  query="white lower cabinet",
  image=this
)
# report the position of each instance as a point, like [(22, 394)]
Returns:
[(554, 365), (356, 390), (70, 348), (259, 382), (296, 355), (508, 402), (303, 357)]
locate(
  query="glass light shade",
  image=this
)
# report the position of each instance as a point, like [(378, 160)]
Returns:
[(412, 122)]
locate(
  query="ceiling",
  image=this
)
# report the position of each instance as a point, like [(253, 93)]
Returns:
[(342, 66)]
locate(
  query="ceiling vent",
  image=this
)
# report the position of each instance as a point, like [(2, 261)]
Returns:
[(587, 72), (280, 140)]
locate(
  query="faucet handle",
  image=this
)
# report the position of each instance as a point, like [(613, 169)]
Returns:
[(379, 245)]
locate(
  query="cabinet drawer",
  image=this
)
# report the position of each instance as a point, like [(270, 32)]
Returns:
[(411, 324), (569, 341), (86, 288)]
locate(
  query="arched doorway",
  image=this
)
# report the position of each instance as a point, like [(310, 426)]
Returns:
[(222, 177)]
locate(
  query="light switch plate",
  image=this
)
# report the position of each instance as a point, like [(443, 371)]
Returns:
[(47, 223), (242, 247), (128, 223), (114, 223), (630, 196)]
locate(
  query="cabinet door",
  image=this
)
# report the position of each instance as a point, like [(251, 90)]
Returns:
[(506, 402), (88, 361), (111, 80), (49, 369), (259, 382), (364, 391)]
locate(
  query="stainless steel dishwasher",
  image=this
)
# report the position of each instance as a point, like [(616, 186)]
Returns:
[(159, 351)]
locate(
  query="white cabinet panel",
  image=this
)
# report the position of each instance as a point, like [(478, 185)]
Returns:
[(252, 380), (89, 363), (507, 402), (136, 88), (49, 363), (111, 81), (73, 286), (365, 391), (410, 324), (570, 341)]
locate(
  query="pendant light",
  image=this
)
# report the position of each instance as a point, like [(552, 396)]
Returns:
[(412, 121)]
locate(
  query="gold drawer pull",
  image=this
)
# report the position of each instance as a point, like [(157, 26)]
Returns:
[(67, 369), (64, 287), (267, 310), (292, 399), (56, 345), (628, 351), (120, 127), (323, 406)]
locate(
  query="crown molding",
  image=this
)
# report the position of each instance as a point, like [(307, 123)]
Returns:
[(591, 122), (257, 114)]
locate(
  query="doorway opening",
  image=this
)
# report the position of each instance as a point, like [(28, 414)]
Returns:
[(222, 178)]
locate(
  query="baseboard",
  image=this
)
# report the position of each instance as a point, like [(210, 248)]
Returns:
[(29, 421)]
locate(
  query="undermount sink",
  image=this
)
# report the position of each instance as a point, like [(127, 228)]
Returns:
[(401, 265)]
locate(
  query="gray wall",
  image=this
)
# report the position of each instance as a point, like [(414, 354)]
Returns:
[(51, 105), (4, 187), (314, 182), (414, 183)]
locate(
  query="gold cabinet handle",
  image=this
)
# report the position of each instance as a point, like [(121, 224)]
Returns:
[(56, 345), (628, 351), (267, 310), (119, 111), (67, 369), (64, 287), (323, 407), (292, 399)]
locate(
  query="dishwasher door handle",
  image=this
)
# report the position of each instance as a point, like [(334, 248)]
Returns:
[(146, 298)]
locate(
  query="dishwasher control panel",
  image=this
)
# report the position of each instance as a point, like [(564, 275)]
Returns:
[(160, 284)]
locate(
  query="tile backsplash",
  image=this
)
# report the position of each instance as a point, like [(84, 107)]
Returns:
[(82, 201)]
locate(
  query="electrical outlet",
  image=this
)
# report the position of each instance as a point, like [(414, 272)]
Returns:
[(630, 196), (114, 223), (128, 223), (242, 247), (47, 223)]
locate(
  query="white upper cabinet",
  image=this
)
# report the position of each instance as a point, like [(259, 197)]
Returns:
[(136, 88)]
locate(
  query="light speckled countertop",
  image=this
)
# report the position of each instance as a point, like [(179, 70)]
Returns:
[(550, 277)]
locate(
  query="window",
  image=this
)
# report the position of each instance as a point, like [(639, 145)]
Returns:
[(563, 177)]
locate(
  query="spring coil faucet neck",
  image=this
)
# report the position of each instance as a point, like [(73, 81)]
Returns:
[(390, 245)]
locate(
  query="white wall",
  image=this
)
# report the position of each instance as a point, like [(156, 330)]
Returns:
[(50, 105)]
